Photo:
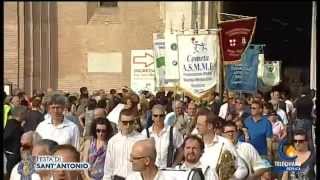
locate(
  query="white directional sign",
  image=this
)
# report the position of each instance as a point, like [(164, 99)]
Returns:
[(142, 70)]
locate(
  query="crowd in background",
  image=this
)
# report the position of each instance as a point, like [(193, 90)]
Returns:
[(159, 131)]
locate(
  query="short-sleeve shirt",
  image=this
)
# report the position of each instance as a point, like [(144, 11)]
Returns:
[(66, 132), (258, 133), (162, 143), (250, 156)]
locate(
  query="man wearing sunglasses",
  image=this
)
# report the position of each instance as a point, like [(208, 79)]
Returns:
[(117, 163), (161, 135), (246, 151), (260, 130)]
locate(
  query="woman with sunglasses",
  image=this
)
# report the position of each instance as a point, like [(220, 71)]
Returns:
[(94, 150), (305, 157)]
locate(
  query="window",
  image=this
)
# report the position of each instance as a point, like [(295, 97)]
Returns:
[(108, 3)]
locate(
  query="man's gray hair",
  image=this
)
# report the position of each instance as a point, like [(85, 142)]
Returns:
[(57, 99), (17, 111), (174, 104), (33, 135), (160, 107), (49, 143)]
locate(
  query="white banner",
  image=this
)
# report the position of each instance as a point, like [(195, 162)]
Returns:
[(271, 73), (198, 56), (142, 70), (260, 65), (159, 59), (172, 66)]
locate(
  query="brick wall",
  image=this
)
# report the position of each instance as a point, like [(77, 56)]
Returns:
[(13, 68), (129, 26), (10, 43)]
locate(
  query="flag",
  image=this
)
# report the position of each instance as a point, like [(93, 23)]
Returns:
[(172, 68), (260, 65), (243, 77), (198, 57), (271, 73), (235, 36), (158, 54)]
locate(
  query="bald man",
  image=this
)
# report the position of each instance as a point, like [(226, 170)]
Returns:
[(41, 148), (69, 154), (143, 157), (28, 139), (101, 113)]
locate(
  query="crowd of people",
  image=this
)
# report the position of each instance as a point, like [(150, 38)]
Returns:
[(234, 136)]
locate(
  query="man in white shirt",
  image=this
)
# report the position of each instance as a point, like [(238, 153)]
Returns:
[(191, 116), (228, 106), (177, 118), (119, 147), (143, 157), (214, 145), (193, 147), (56, 127), (256, 165), (161, 135)]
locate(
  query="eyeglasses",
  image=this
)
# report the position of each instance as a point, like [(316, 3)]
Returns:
[(231, 131), (254, 108), (300, 141), (101, 130), (137, 158), (26, 146), (127, 122), (158, 115)]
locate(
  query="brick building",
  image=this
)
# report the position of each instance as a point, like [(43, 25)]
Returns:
[(66, 45)]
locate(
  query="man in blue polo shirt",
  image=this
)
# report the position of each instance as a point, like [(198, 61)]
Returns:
[(260, 130)]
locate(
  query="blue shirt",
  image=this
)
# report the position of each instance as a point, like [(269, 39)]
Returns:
[(258, 133)]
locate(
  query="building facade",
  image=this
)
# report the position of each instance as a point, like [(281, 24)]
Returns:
[(67, 45)]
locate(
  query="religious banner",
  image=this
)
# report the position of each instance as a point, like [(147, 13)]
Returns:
[(198, 57), (142, 70), (260, 65), (235, 36), (172, 67), (271, 73), (159, 58), (243, 77)]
